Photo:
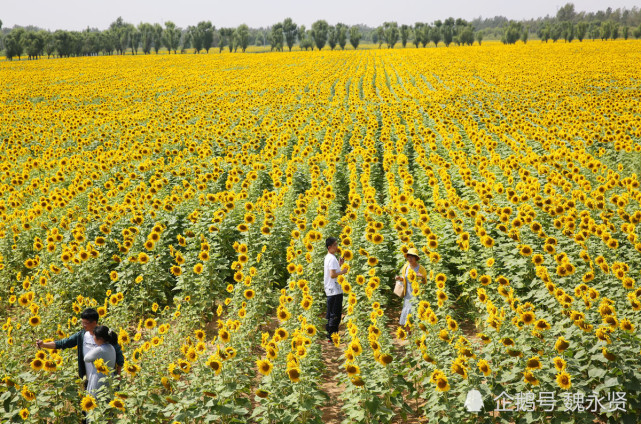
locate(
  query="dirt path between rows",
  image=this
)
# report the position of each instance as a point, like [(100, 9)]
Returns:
[(333, 409)]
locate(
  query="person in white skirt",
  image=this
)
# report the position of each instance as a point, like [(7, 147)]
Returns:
[(105, 341), (409, 300)]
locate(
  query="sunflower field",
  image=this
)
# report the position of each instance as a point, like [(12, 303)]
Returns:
[(188, 198)]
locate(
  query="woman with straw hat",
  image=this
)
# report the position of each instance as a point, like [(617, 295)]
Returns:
[(412, 257)]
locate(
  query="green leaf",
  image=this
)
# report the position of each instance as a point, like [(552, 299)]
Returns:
[(596, 372), (611, 382)]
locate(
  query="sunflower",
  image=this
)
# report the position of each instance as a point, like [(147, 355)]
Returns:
[(118, 404), (352, 370), (88, 403), (263, 394), (484, 367), (50, 365), (265, 367), (175, 371), (441, 383), (27, 394), (529, 377), (542, 325), (150, 323), (200, 334), (249, 294), (485, 280), (224, 336), (24, 413), (294, 374), (525, 250), (131, 368), (37, 364), (564, 380), (215, 364), (534, 363), (34, 321), (559, 363), (561, 344), (528, 317)]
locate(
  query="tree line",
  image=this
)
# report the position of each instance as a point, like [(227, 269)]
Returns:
[(122, 37), (569, 25)]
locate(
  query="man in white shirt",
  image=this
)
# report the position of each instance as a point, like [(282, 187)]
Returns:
[(333, 268)]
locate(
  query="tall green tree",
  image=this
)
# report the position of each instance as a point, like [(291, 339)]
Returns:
[(418, 33), (479, 36), (242, 37), (341, 35), (34, 44), (290, 32), (467, 35), (225, 36), (354, 36), (134, 39), (146, 31), (206, 32), (566, 13), (525, 34), (117, 29), (512, 32), (320, 31), (405, 32), (380, 36), (606, 30), (556, 32), (425, 36), (157, 37), (171, 37), (448, 31), (305, 38), (332, 37), (568, 31), (108, 41), (391, 34), (435, 32), (581, 30), (50, 45), (64, 43), (277, 37)]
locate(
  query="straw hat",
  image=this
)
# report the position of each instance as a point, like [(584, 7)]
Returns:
[(413, 252)]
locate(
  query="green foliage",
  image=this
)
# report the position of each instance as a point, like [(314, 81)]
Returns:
[(13, 43), (332, 37), (341, 35), (171, 36), (448, 31), (354, 36), (581, 30), (390, 33), (320, 30), (242, 37), (276, 39), (512, 32), (435, 33), (418, 34), (290, 31), (405, 32)]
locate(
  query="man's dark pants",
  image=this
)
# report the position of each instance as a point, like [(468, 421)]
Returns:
[(334, 312)]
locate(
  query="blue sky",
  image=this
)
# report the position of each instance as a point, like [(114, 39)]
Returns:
[(78, 14)]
